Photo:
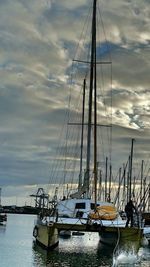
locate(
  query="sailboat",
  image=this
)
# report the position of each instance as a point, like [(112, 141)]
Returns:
[(80, 211), (3, 218)]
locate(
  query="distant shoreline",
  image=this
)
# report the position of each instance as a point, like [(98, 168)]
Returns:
[(20, 210)]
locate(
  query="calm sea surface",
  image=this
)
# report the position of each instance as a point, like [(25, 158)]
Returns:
[(17, 249)]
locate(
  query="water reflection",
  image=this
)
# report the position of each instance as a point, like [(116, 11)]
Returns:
[(2, 228), (81, 253), (87, 250), (74, 254)]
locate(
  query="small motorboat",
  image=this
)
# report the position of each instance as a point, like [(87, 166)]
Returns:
[(65, 233), (78, 233)]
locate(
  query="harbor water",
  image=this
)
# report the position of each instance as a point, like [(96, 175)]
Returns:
[(17, 249)]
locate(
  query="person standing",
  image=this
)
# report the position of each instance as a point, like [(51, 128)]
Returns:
[(129, 210)]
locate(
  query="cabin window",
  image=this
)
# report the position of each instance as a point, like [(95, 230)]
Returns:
[(80, 205)]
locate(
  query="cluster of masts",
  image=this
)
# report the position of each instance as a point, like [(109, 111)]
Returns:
[(126, 186)]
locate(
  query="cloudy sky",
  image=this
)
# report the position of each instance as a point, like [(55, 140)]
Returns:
[(37, 43)]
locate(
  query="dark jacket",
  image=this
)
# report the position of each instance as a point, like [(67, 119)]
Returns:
[(129, 208)]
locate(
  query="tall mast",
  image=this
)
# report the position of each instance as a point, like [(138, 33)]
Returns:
[(110, 180), (106, 167), (92, 84), (141, 187), (130, 172), (95, 108), (82, 131)]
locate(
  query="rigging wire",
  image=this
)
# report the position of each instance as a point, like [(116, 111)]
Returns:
[(75, 67), (110, 59)]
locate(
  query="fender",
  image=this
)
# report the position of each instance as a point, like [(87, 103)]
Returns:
[(35, 231)]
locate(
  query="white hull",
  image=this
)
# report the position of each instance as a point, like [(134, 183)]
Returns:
[(46, 235)]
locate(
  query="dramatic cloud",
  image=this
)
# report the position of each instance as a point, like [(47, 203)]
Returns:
[(38, 40)]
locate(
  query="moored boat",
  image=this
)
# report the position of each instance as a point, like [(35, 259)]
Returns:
[(3, 218), (46, 235), (82, 211), (65, 233)]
